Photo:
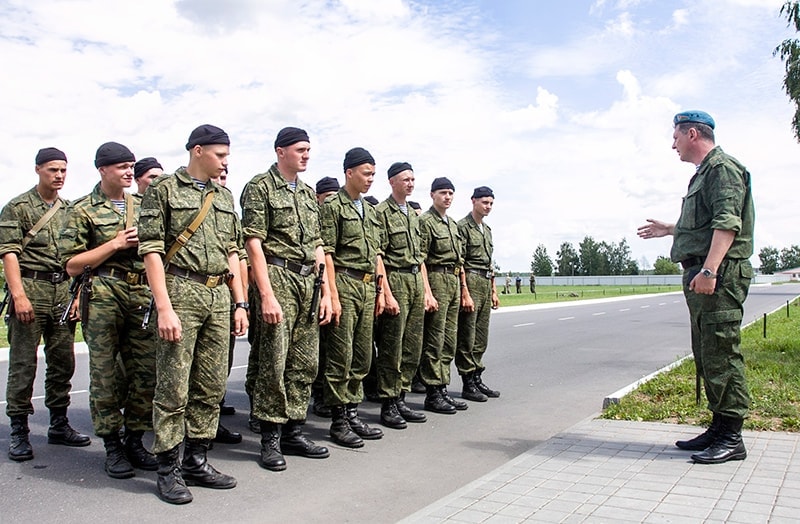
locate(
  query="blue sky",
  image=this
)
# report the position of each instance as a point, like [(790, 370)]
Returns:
[(563, 107)]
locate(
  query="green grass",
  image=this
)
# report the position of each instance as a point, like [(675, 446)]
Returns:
[(545, 294), (4, 334), (773, 376)]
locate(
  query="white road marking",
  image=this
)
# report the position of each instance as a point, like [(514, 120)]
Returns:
[(597, 314), (523, 325), (566, 318)]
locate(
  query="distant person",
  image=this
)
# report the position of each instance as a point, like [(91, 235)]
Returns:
[(144, 172), (533, 284), (507, 284), (518, 283), (713, 241)]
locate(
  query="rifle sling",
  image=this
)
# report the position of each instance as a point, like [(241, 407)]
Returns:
[(40, 224), (187, 233)]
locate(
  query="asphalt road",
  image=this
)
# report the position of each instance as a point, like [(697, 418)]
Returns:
[(553, 363)]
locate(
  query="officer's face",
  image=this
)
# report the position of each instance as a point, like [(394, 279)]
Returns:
[(442, 198), (212, 159), (360, 177), (482, 206), (295, 157), (143, 182), (117, 176), (52, 175), (681, 142), (402, 183)]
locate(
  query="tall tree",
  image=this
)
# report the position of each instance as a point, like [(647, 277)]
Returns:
[(769, 258), (789, 51), (665, 266), (541, 265), (567, 260), (593, 257), (619, 259), (790, 257)]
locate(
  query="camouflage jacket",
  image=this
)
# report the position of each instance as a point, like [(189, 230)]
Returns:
[(441, 243), (478, 247), (285, 220), (352, 241), (400, 236), (18, 217), (171, 204), (92, 221)]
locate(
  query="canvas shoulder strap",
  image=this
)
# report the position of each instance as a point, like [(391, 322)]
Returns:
[(40, 224), (187, 233), (128, 211)]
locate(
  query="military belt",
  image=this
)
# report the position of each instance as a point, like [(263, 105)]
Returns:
[(413, 269), (301, 269), (130, 277), (436, 268), (692, 262), (356, 274), (55, 277), (485, 273), (206, 280)]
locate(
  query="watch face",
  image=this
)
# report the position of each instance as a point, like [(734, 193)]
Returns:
[(706, 273)]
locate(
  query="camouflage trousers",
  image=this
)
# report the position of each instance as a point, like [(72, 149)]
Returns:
[(121, 357), (439, 339), (716, 322), (473, 327), (49, 301), (399, 337), (288, 352), (348, 346), (254, 339), (191, 373)]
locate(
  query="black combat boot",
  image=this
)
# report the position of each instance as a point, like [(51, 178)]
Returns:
[(117, 465), (271, 457), (225, 409), (293, 442), (196, 470), (318, 406), (19, 447), (390, 417), (136, 453), (226, 436), (417, 386), (470, 391), (434, 402), (702, 441), (458, 404), (360, 427), (60, 432), (483, 388), (408, 414), (727, 446), (171, 486), (341, 432)]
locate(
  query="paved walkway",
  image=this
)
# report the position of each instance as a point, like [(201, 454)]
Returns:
[(615, 471)]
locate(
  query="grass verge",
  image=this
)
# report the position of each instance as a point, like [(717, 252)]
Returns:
[(546, 294), (773, 377)]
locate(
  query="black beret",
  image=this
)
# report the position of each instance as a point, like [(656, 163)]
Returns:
[(399, 167), (290, 135), (413, 205), (356, 157), (206, 135), (112, 153), (371, 199), (48, 154), (482, 191), (326, 184), (442, 183), (144, 165)]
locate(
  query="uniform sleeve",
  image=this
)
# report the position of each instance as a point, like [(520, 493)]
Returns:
[(329, 226), (152, 220), (726, 198), (75, 238), (424, 236), (10, 231), (255, 218)]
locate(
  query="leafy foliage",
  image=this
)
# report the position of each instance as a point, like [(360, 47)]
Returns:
[(789, 53)]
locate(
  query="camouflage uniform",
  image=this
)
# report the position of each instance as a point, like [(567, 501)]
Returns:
[(473, 327), (191, 373), (113, 328), (286, 222), (48, 299), (399, 337), (353, 243), (441, 246), (719, 197)]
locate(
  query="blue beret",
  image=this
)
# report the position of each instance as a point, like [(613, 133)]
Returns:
[(699, 117)]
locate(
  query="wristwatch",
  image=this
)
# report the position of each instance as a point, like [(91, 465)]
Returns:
[(242, 305), (708, 273)]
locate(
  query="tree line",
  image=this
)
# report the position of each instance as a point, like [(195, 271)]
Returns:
[(591, 258), (773, 260)]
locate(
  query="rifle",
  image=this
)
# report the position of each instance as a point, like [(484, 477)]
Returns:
[(4, 303), (147, 313), (312, 313), (74, 292)]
